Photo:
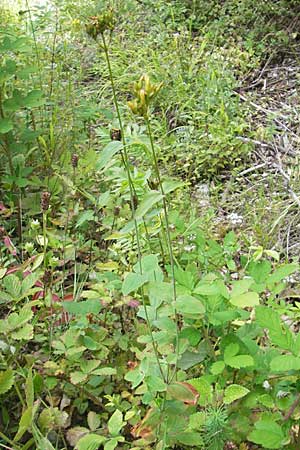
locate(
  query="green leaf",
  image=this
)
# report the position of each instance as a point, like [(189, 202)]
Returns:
[(6, 380), (111, 444), (84, 217), (107, 153), (132, 282), (259, 270), (279, 333), (160, 293), (34, 99), (115, 423), (241, 286), (237, 362), (186, 304), (245, 300), (6, 125), (190, 359), (150, 268), (88, 366), (267, 433), (105, 371), (149, 200), (234, 392), (24, 424), (23, 333), (190, 438), (231, 350), (29, 389), (204, 388), (93, 420), (171, 185), (217, 367), (90, 442), (78, 377), (155, 384), (12, 285), (285, 363), (183, 391), (282, 272), (91, 306)]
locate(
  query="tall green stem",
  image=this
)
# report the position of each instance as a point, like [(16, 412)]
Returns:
[(125, 160), (169, 240)]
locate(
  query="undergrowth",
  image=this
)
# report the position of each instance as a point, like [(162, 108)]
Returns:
[(133, 314)]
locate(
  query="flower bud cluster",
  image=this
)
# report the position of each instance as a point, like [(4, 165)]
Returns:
[(144, 91), (100, 23)]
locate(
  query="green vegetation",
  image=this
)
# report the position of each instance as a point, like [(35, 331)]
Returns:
[(149, 275)]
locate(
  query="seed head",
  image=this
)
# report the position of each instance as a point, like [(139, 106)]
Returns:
[(101, 23), (45, 199), (115, 134), (117, 210), (2, 232), (74, 160)]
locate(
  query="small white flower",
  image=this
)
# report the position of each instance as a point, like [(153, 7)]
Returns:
[(266, 385), (29, 247), (35, 224), (282, 394), (203, 203), (235, 219), (189, 248), (203, 189)]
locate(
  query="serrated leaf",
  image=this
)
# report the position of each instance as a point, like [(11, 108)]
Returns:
[(78, 377), (285, 363), (240, 361), (88, 366), (267, 433), (234, 392), (12, 285), (245, 300), (279, 333), (6, 380), (190, 438), (105, 371), (23, 333)]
